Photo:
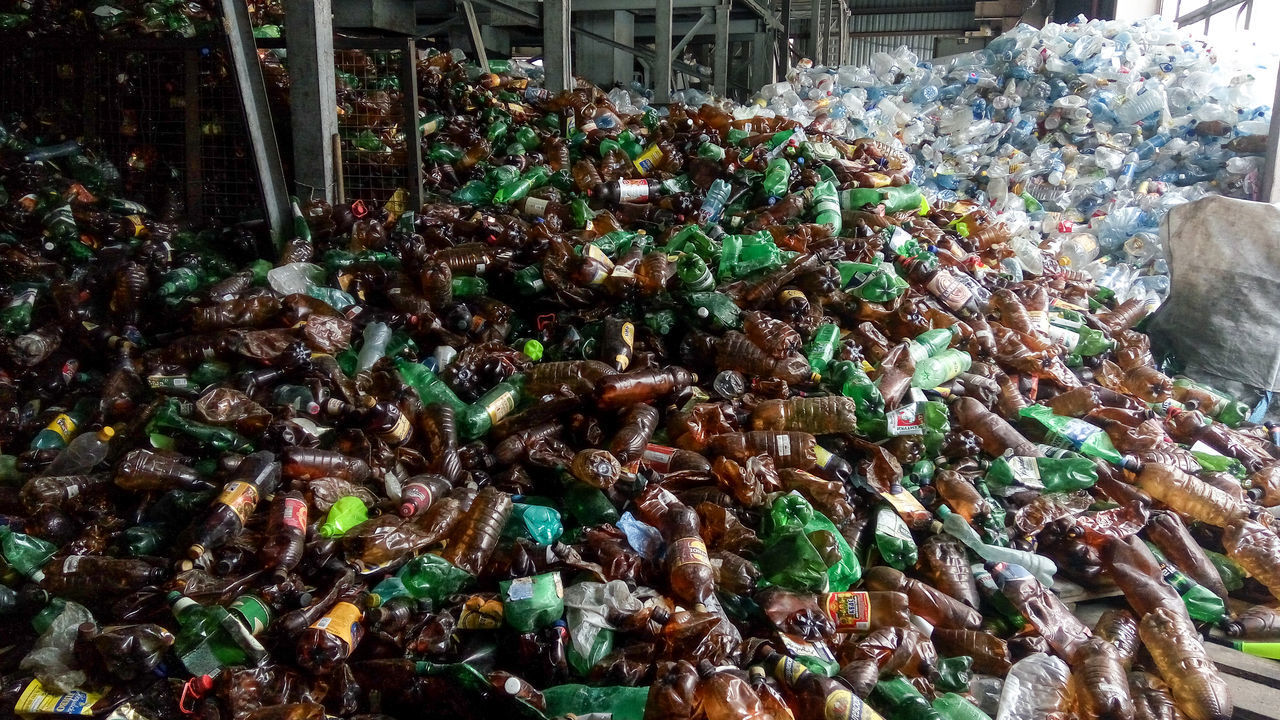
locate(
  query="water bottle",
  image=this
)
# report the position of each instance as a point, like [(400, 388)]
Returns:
[(376, 336), (82, 454)]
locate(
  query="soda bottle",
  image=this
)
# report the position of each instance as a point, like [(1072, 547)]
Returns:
[(818, 416), (90, 576), (946, 564), (725, 694), (899, 699), (815, 697), (642, 386), (256, 476), (82, 454), (1036, 687), (1255, 547), (286, 532), (1197, 688), (927, 602), (1186, 494), (480, 529), (1063, 631), (1099, 684), (329, 641)]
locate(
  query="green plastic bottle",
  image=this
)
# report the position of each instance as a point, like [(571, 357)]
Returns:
[(777, 176), (1043, 473), (346, 513), (893, 539), (169, 417), (1202, 604), (850, 380), (477, 418), (620, 702), (898, 699), (532, 603), (930, 343), (430, 388), (822, 347), (1074, 434), (210, 638), (693, 273), (895, 199), (951, 706), (715, 309), (520, 188), (946, 365), (15, 317), (62, 428), (24, 553)]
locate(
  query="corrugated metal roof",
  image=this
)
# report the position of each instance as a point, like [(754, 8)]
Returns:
[(911, 21)]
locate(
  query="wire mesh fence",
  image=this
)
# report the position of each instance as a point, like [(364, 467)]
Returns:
[(165, 113), (377, 123)]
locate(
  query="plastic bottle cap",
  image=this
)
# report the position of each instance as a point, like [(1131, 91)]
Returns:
[(106, 433)]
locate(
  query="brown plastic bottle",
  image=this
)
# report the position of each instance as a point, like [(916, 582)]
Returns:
[(827, 613), (1148, 383), (144, 470), (597, 468), (1188, 495), (255, 477), (1013, 314), (299, 463), (1135, 570), (1197, 688), (1265, 485), (1170, 534), (638, 425), (439, 429), (787, 449), (59, 489), (477, 535), (735, 352), (1256, 547), (725, 694), (1120, 628), (816, 415), (1257, 623), (89, 577), (1125, 316), (255, 311), (769, 693), (960, 495), (1151, 698), (814, 697), (886, 651), (774, 337), (1059, 626), (286, 534), (690, 574), (642, 386), (997, 435), (329, 641), (420, 491), (1083, 400), (580, 376), (989, 652), (1099, 686), (938, 608), (945, 562), (673, 696)]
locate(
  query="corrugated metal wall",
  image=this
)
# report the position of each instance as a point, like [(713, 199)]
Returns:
[(898, 22)]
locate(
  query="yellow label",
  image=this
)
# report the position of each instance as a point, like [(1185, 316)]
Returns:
[(786, 295), (398, 202), (241, 497), (844, 705), (850, 611), (135, 221), (501, 407), (64, 425), (399, 432), (481, 613), (35, 700), (689, 551), (628, 335), (904, 502), (648, 159), (343, 622)]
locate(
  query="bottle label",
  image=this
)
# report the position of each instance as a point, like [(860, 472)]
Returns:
[(945, 287), (295, 514), (798, 646), (343, 622), (535, 206), (648, 160), (782, 445), (501, 406), (241, 497), (905, 503), (790, 294), (850, 611), (1039, 320), (398, 433), (633, 190), (481, 613), (905, 420), (35, 700), (844, 705), (63, 425), (1025, 470), (658, 457), (70, 564), (628, 337), (689, 550), (26, 297), (254, 612)]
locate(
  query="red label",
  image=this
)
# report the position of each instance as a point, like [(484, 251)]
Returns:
[(241, 497), (295, 514), (633, 190), (658, 457)]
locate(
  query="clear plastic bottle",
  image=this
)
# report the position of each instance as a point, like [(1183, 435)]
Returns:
[(82, 453), (1036, 688)]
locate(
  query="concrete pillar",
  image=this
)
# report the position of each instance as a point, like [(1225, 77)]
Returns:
[(662, 41), (720, 50), (557, 62), (600, 63), (313, 96)]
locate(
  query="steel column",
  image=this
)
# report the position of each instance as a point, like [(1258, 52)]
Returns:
[(762, 68), (663, 56), (784, 41), (1270, 186), (412, 131), (556, 61), (477, 40), (816, 29), (253, 97), (720, 50)]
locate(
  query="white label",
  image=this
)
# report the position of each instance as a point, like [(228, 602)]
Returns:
[(905, 420), (71, 563), (520, 589), (784, 445), (1202, 448), (535, 206), (945, 287), (633, 190)]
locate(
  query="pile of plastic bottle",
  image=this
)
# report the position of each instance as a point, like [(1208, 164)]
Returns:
[(645, 415), (1081, 134)]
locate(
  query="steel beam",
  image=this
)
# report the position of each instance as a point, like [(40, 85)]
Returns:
[(556, 62), (765, 14), (1204, 13), (477, 40), (413, 133), (720, 51), (663, 55), (693, 31), (633, 6), (1270, 185), (816, 28), (253, 97), (784, 40), (680, 27)]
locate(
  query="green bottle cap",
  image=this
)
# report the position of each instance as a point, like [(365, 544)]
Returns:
[(533, 349)]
